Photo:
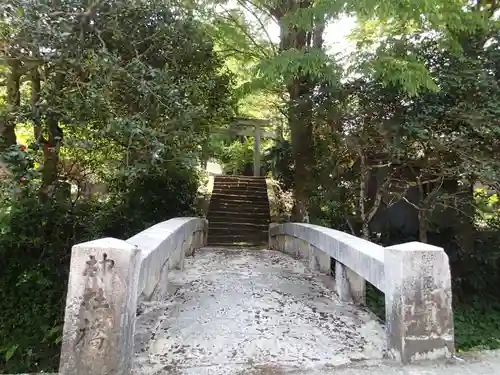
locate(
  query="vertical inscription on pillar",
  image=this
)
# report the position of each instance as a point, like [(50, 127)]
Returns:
[(95, 316)]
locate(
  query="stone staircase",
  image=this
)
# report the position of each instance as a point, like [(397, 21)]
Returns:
[(238, 214)]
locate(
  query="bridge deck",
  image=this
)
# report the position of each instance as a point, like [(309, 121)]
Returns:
[(238, 312)]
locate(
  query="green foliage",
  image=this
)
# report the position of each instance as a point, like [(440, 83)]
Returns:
[(278, 160), (139, 85), (487, 207), (408, 73), (237, 156), (135, 88), (291, 64), (149, 197), (34, 257), (20, 162), (35, 249), (477, 322), (477, 325)]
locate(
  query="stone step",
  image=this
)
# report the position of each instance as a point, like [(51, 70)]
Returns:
[(240, 178), (254, 213), (259, 245), (238, 236), (243, 227), (256, 245), (235, 196), (238, 212), (237, 220), (225, 240), (237, 207), (240, 185), (234, 211), (237, 181), (243, 205), (240, 233), (237, 199), (238, 195), (260, 187), (235, 217), (238, 190), (241, 192)]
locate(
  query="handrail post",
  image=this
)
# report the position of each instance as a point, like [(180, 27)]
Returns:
[(418, 302), (100, 308)]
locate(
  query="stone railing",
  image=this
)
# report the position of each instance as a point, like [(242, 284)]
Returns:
[(107, 279), (415, 278)]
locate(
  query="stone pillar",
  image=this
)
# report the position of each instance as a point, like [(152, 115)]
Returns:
[(100, 308), (319, 260), (272, 242), (189, 246), (290, 246), (197, 240), (205, 234), (203, 239), (256, 151), (418, 302), (160, 291), (176, 260), (350, 286)]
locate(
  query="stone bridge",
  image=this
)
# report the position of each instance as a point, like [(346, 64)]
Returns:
[(162, 302)]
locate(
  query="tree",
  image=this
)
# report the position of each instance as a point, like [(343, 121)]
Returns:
[(142, 75)]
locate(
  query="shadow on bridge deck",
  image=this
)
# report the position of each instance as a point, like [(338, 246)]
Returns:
[(251, 312)]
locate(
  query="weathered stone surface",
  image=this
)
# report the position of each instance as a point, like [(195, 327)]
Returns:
[(252, 308), (350, 286), (419, 315), (480, 363), (363, 257), (486, 363), (107, 276), (320, 260), (415, 278), (100, 308), (162, 244), (272, 242)]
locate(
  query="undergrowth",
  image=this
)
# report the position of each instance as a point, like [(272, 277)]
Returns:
[(477, 321)]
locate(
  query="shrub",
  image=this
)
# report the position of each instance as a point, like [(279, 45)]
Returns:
[(34, 257), (152, 196), (35, 249)]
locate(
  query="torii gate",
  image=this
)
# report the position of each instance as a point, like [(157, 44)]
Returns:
[(251, 128)]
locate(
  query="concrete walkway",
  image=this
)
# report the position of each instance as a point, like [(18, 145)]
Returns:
[(264, 313)]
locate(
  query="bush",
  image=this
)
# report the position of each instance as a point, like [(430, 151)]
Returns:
[(237, 157), (35, 250), (477, 320), (152, 196), (34, 257)]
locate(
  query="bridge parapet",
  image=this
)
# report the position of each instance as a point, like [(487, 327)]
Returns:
[(415, 278), (107, 278)]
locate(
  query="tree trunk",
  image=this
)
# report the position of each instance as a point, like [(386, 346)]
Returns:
[(422, 226), (423, 211), (299, 120), (363, 173), (51, 148), (466, 211), (35, 110), (300, 91), (8, 124)]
